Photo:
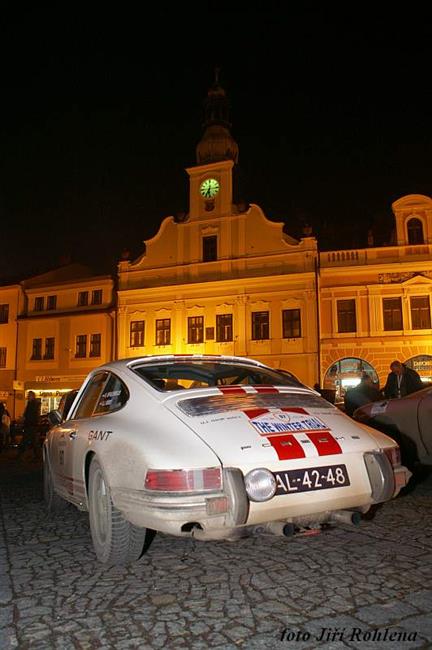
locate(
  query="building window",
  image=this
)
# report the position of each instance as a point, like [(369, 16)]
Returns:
[(49, 348), (83, 298), (224, 328), (96, 297), (195, 329), (39, 304), (136, 339), (95, 345), (291, 324), (420, 313), (260, 325), (81, 346), (163, 331), (37, 349), (415, 231), (346, 315), (3, 357), (4, 313), (51, 303), (392, 310), (209, 248)]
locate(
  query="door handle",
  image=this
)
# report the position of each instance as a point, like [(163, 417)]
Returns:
[(73, 435)]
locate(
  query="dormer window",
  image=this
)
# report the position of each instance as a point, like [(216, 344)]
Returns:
[(415, 231)]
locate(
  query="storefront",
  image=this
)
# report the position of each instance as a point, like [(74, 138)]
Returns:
[(49, 389), (346, 373)]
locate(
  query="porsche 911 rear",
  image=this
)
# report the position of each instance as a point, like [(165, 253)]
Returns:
[(287, 460)]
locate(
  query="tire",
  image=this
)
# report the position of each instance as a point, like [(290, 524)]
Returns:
[(54, 502), (115, 540)]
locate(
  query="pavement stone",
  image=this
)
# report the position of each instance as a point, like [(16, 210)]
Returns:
[(336, 590)]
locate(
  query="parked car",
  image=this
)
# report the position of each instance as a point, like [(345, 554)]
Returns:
[(212, 447), (407, 420)]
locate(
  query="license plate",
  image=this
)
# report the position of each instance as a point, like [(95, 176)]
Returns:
[(313, 478)]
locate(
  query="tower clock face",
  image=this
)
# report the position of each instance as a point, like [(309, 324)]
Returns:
[(209, 188)]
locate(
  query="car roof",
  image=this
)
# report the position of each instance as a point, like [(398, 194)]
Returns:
[(130, 362)]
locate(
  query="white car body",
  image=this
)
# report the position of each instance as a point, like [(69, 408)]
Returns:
[(325, 466)]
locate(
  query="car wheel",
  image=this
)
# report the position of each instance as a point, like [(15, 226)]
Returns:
[(115, 540), (53, 501)]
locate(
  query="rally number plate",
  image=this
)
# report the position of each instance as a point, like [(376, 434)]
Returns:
[(313, 478)]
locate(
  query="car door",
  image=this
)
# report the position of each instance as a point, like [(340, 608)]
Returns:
[(72, 440)]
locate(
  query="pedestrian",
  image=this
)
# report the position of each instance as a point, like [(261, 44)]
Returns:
[(30, 426), (4, 426), (366, 391), (401, 381)]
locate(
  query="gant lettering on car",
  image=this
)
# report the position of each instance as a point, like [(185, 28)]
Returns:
[(210, 447)]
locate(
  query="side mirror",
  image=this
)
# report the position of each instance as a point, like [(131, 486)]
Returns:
[(54, 417)]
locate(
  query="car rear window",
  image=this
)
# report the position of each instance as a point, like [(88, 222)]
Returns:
[(180, 375)]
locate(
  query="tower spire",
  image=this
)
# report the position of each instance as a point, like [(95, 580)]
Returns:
[(217, 142)]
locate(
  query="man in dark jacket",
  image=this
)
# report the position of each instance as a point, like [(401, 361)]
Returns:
[(30, 425), (401, 381), (366, 391)]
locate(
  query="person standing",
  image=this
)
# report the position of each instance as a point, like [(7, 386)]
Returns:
[(366, 391), (401, 381), (4, 426), (30, 425)]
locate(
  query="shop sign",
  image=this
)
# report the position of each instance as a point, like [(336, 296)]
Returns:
[(422, 364), (4, 394), (18, 385), (51, 379)]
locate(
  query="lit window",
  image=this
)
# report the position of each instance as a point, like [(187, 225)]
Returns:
[(392, 312), (291, 324), (136, 339), (224, 328), (195, 329), (95, 345), (37, 349), (163, 331), (260, 325), (420, 313), (81, 346), (346, 315)]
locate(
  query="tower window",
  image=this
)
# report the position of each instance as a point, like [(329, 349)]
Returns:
[(415, 231), (209, 248)]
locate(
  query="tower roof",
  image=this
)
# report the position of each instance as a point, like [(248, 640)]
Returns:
[(217, 142)]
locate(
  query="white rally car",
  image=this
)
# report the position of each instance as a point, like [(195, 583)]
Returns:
[(212, 447)]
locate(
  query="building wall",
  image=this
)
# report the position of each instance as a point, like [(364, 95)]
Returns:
[(368, 276)]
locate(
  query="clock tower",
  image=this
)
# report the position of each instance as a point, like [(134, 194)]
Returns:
[(211, 180)]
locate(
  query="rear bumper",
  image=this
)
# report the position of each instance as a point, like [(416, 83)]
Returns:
[(229, 514)]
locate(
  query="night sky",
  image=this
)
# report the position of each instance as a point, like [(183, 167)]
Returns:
[(102, 109)]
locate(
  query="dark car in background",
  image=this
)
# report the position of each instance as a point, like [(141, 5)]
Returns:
[(407, 420)]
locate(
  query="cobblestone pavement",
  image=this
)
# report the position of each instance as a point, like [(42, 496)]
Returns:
[(366, 587)]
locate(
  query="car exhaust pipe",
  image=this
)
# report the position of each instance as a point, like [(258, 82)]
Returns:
[(280, 528), (346, 517)]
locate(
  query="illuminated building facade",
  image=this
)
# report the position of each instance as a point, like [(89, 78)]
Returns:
[(376, 302), (61, 325), (223, 279)]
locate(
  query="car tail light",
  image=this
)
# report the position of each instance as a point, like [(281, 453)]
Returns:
[(184, 480), (393, 454)]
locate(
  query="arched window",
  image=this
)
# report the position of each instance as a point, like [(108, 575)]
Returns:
[(415, 231)]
